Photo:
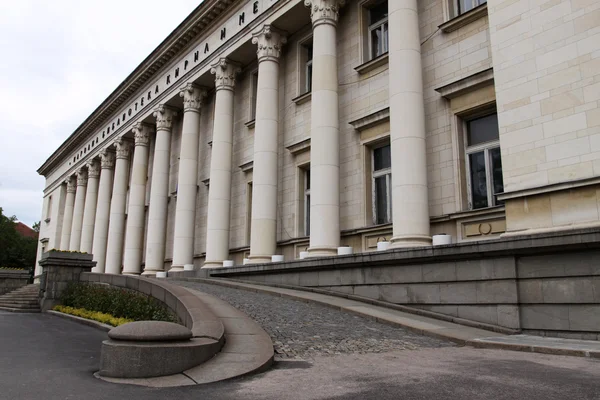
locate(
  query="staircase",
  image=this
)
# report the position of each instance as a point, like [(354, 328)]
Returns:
[(24, 300)]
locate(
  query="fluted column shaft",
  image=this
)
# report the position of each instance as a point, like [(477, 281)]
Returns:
[(263, 230), (89, 210), (159, 192), (325, 132), (187, 183), (407, 128), (75, 240), (68, 214), (116, 226), (136, 215), (219, 194), (107, 163)]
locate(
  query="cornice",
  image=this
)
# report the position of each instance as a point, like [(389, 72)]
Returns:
[(186, 33)]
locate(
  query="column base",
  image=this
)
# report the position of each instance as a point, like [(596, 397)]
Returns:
[(407, 241), (322, 251), (212, 264), (130, 273), (261, 259), (176, 268), (151, 272)]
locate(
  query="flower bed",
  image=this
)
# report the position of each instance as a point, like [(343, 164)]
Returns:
[(93, 315), (117, 302)]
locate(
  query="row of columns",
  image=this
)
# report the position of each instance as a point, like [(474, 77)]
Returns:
[(94, 217)]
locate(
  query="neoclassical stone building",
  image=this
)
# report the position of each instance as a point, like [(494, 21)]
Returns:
[(264, 127)]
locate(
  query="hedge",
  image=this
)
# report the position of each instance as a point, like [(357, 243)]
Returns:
[(118, 302)]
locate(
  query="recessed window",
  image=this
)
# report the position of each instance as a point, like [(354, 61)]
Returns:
[(248, 212), (382, 184), (459, 7), (49, 207), (253, 95), (305, 65), (378, 29), (484, 163), (307, 202)]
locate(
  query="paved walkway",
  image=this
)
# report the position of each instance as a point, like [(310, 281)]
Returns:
[(302, 330), (415, 323), (48, 358)]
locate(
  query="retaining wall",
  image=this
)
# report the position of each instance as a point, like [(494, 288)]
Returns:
[(547, 285), (12, 280)]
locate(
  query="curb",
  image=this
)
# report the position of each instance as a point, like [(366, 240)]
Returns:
[(533, 349), (83, 321)]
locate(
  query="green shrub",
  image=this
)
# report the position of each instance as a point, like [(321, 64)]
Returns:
[(118, 302), (93, 315)]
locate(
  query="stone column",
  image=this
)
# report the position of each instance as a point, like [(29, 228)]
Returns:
[(263, 233), (187, 182), (325, 131), (107, 164), (136, 215), (410, 207), (68, 215), (159, 192), (75, 241), (116, 226), (89, 211), (219, 193)]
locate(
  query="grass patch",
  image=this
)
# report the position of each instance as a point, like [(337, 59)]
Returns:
[(117, 302), (93, 315)]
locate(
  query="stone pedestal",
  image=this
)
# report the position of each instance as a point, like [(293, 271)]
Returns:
[(58, 269)]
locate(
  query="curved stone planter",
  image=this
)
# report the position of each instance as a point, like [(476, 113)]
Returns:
[(149, 351)]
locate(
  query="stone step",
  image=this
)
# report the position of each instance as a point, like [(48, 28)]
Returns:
[(18, 298), (19, 305), (19, 310), (20, 295)]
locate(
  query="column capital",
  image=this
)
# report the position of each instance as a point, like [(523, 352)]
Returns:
[(225, 71), (93, 169), (107, 159), (141, 133), (193, 96), (123, 148), (164, 117), (270, 40), (71, 185), (324, 11), (82, 177)]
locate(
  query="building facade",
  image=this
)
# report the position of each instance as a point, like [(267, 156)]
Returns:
[(264, 127)]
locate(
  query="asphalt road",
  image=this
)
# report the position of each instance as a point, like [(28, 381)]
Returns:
[(49, 358)]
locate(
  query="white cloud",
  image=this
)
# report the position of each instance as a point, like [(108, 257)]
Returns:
[(60, 60)]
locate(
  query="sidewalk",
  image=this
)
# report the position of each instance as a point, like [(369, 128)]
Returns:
[(460, 334)]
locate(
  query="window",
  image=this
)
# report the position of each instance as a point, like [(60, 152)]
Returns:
[(307, 202), (253, 95), (48, 208), (305, 65), (308, 68), (484, 163), (463, 6), (378, 29), (382, 185), (248, 212)]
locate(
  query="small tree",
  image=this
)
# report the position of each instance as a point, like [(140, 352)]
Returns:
[(16, 251)]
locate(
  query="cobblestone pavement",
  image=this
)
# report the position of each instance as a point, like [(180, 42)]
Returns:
[(305, 330)]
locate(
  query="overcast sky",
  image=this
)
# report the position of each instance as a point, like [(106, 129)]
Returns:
[(59, 60)]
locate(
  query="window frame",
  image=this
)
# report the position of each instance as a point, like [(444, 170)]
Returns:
[(253, 95), (303, 64), (249, 191), (306, 200), (455, 7), (486, 147), (374, 26), (387, 173)]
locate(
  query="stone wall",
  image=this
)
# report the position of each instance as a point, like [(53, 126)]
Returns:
[(547, 285), (12, 279)]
